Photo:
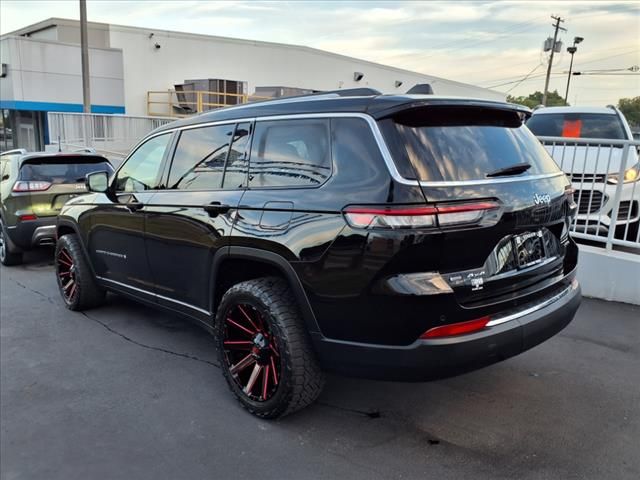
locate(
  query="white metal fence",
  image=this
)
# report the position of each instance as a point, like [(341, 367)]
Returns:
[(605, 177), (112, 135)]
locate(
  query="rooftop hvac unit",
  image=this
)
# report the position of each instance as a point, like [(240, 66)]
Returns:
[(219, 93)]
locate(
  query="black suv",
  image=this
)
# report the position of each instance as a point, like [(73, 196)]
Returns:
[(391, 237)]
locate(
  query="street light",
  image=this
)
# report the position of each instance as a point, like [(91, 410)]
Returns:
[(572, 50)]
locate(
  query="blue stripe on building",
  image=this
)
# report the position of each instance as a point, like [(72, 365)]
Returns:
[(58, 107)]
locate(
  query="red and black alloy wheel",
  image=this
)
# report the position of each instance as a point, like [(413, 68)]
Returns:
[(264, 350), (76, 283), (66, 271), (251, 352)]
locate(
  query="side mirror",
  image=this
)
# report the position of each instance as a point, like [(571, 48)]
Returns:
[(97, 182)]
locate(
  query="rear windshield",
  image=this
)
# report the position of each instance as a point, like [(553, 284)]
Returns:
[(62, 170), (457, 144), (577, 125)]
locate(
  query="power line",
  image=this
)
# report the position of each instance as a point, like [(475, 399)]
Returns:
[(527, 76)]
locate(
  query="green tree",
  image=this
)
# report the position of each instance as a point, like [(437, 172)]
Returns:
[(630, 107), (535, 99)]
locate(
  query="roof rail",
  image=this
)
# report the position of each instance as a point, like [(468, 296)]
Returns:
[(345, 92), (21, 151)]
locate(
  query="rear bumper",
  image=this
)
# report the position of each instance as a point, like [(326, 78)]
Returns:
[(33, 233), (440, 358)]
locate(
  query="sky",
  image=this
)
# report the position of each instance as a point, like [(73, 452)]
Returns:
[(492, 44)]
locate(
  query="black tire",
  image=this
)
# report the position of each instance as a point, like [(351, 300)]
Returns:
[(8, 257), (300, 379), (76, 282)]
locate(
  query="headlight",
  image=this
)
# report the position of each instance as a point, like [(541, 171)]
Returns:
[(631, 174)]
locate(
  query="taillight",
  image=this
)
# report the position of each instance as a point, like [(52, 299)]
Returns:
[(27, 217), (440, 215), (23, 186), (456, 328)]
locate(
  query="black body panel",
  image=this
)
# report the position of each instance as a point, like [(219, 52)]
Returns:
[(179, 248)]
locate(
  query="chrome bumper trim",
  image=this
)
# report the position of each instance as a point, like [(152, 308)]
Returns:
[(507, 318)]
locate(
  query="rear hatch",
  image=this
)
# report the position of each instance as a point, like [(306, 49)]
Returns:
[(503, 204), (50, 181)]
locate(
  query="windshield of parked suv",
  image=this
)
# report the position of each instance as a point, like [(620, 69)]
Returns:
[(62, 170), (577, 125), (458, 144)]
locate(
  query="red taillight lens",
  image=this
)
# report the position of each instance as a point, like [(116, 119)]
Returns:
[(27, 217), (456, 328), (443, 215), (22, 186)]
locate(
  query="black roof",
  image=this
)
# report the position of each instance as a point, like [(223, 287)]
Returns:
[(378, 106)]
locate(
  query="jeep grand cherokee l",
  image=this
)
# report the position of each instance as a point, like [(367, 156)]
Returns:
[(33, 188), (393, 237)]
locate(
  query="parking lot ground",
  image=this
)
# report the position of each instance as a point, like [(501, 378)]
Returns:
[(128, 392)]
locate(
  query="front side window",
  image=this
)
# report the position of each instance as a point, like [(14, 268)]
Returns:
[(199, 159), (290, 153), (142, 170)]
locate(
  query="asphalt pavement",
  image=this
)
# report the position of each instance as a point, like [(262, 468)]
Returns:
[(127, 392)]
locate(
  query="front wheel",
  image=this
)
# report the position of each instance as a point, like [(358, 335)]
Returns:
[(264, 350), (77, 285)]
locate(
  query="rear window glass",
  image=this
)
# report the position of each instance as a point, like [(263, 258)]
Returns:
[(458, 144), (577, 125), (67, 170)]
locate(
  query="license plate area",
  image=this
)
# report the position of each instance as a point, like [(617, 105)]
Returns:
[(528, 249)]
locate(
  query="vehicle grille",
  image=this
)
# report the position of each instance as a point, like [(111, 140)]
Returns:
[(589, 201), (628, 209), (587, 177)]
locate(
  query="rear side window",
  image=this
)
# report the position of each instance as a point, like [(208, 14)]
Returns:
[(62, 169), (577, 125), (459, 144), (290, 153), (198, 162)]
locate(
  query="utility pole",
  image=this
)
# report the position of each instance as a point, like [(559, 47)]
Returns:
[(553, 49), (84, 48)]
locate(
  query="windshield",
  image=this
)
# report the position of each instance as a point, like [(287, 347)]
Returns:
[(63, 170), (577, 125), (458, 144)]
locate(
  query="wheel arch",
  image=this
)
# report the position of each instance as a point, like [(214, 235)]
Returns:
[(267, 263)]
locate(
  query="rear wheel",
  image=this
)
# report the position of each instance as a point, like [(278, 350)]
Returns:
[(77, 285), (8, 257), (264, 350)]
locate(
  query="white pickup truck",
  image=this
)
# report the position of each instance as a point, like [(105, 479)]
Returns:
[(594, 167)]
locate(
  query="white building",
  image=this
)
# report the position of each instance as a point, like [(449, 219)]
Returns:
[(42, 73)]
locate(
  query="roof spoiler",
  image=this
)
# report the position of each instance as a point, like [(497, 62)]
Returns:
[(420, 89)]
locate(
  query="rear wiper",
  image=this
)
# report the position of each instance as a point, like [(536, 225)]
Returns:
[(512, 170)]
